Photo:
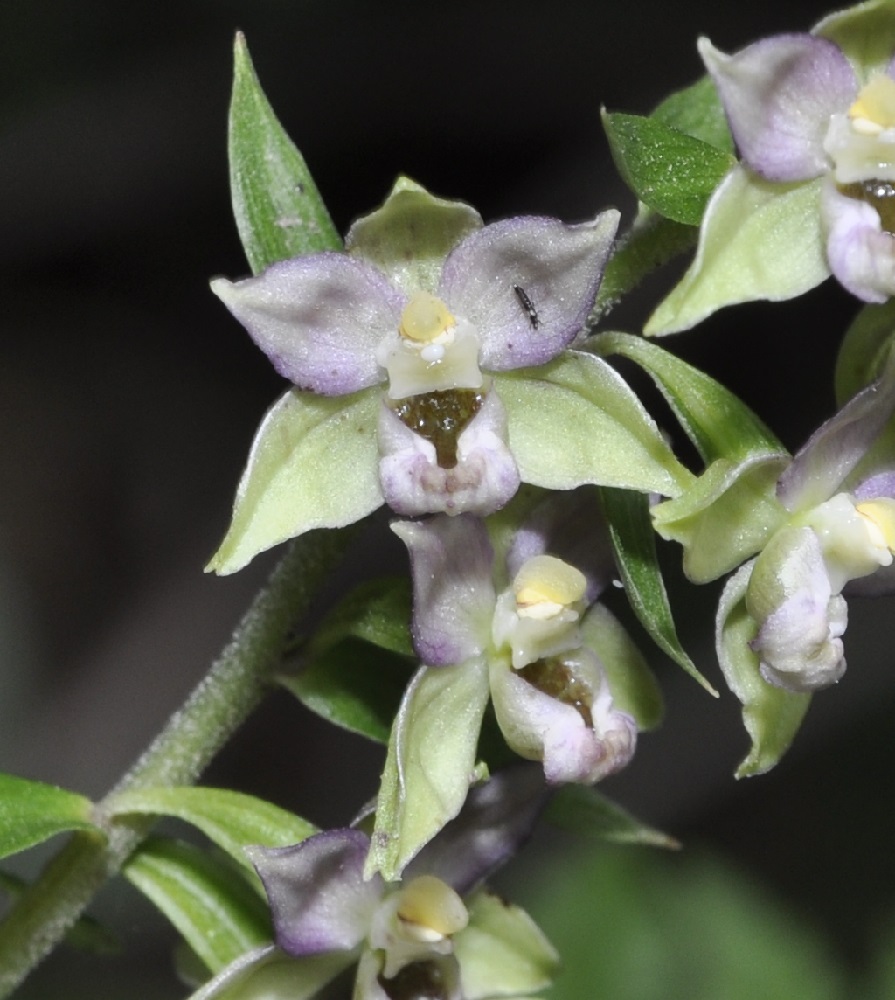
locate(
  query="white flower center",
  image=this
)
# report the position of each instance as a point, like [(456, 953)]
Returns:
[(861, 143)]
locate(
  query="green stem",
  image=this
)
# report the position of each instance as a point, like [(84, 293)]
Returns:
[(220, 703)]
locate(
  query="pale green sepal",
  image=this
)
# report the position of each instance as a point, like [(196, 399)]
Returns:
[(864, 349), (697, 110), (758, 241), (634, 544), (771, 715), (718, 423), (314, 464), (411, 234), (267, 973), (231, 820), (502, 952), (672, 172), (633, 685), (430, 762), (279, 212), (219, 916), (575, 421), (865, 33), (32, 812), (585, 810), (726, 517)]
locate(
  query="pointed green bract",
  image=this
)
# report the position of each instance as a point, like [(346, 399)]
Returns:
[(219, 916), (634, 688), (502, 952), (32, 812), (279, 212), (669, 170), (314, 464), (697, 111), (430, 762), (377, 611), (575, 421), (269, 974), (865, 32), (411, 234), (758, 241), (586, 810), (354, 685), (864, 348), (635, 553), (771, 715), (231, 820)]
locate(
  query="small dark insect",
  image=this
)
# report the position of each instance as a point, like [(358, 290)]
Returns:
[(528, 306)]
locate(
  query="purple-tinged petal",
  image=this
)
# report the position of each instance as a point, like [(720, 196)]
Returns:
[(318, 318), (496, 820), (453, 594), (820, 467), (527, 285), (778, 95), (484, 478), (882, 484), (582, 742), (317, 893), (860, 253), (570, 526)]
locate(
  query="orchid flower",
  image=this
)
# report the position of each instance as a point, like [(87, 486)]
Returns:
[(436, 935), (515, 622), (813, 119)]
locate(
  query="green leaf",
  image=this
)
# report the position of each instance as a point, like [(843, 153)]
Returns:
[(771, 715), (279, 212), (575, 421), (865, 33), (864, 348), (726, 517), (634, 688), (314, 463), (651, 242), (635, 553), (758, 240), (669, 170), (502, 951), (270, 974), (231, 820), (411, 234), (430, 762), (697, 110), (718, 423), (214, 909), (377, 611), (583, 809), (353, 685), (32, 812)]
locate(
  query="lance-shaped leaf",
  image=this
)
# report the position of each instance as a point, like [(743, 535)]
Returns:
[(354, 685), (279, 212), (32, 812), (377, 611), (231, 820), (313, 464), (697, 110), (669, 170), (759, 240), (576, 421), (501, 951), (635, 553), (585, 810), (771, 715), (430, 762), (218, 914)]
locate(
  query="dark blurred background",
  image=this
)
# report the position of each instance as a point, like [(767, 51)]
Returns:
[(130, 397)]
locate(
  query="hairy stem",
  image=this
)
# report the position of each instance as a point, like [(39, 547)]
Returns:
[(217, 707)]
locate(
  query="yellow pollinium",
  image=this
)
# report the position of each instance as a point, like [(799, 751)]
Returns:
[(874, 110), (880, 515), (431, 908), (425, 318), (548, 583)]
